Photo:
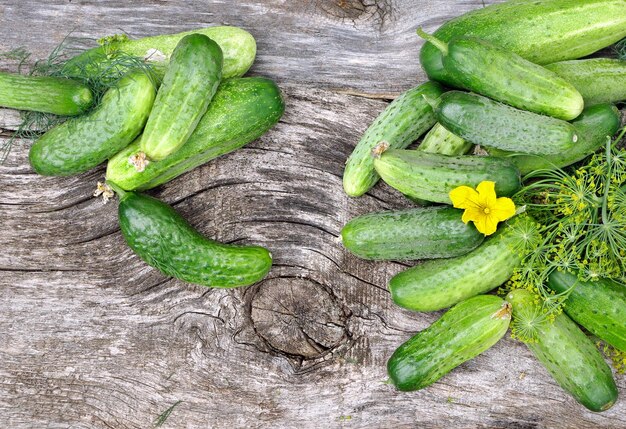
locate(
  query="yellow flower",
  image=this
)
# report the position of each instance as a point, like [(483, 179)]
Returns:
[(482, 207)]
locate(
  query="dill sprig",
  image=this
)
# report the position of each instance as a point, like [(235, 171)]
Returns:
[(620, 49)]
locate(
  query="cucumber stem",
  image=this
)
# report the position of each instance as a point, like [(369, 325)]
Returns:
[(379, 149), (122, 194), (439, 44)]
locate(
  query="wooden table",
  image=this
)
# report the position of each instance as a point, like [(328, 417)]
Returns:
[(91, 337)]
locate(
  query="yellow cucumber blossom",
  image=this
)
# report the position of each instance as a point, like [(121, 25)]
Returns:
[(482, 206)]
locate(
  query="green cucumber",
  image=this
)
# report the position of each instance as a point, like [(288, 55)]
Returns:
[(565, 351), (598, 306), (431, 176), (166, 241), (191, 80), (465, 331), (599, 80), (64, 97), (593, 126), (419, 233), (489, 123), (400, 124), (482, 67), (238, 47), (541, 31), (79, 144), (242, 110), (439, 140), (437, 284)]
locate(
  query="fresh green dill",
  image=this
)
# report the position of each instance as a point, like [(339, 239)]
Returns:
[(620, 49), (158, 422)]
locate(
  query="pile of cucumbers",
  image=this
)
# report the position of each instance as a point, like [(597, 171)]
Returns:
[(508, 81), (185, 105)]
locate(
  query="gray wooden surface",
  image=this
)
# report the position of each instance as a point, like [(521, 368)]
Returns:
[(91, 337)]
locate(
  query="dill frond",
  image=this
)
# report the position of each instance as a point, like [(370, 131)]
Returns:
[(620, 49)]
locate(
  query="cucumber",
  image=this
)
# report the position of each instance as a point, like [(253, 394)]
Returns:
[(238, 47), (599, 80), (241, 111), (166, 241), (401, 123), (465, 331), (431, 177), (598, 306), (79, 144), (593, 126), (437, 284), (568, 355), (64, 97), (439, 140), (418, 233), (482, 67), (541, 31), (191, 80), (489, 123)]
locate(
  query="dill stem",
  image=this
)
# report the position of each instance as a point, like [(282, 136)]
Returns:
[(607, 183)]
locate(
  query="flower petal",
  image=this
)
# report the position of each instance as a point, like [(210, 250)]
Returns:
[(473, 214), (464, 197), (486, 224), (503, 209), (487, 193)]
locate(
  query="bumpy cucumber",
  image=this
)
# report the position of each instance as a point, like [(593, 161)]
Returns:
[(465, 331), (599, 306), (191, 80), (489, 123), (419, 233), (599, 80), (437, 284), (82, 143), (593, 126), (241, 111), (568, 355), (401, 123), (166, 241), (238, 47), (439, 140), (542, 31), (482, 67), (64, 97), (431, 177)]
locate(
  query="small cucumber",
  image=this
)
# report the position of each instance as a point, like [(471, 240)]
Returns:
[(64, 97), (593, 126), (599, 80), (568, 355), (242, 110), (437, 284), (431, 177), (419, 233), (166, 241), (482, 67), (465, 331), (489, 123), (191, 80), (542, 31), (79, 144), (439, 140), (238, 47), (599, 306), (400, 124)]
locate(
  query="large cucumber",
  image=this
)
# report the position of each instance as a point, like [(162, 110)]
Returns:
[(465, 331), (82, 143), (241, 111), (238, 47), (599, 80), (401, 123), (437, 284), (599, 306), (191, 80), (489, 123), (64, 97), (566, 352), (439, 140), (482, 67), (419, 233), (166, 241), (593, 127), (542, 31), (431, 177)]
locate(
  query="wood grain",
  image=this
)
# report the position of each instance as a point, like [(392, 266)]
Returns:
[(91, 337)]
